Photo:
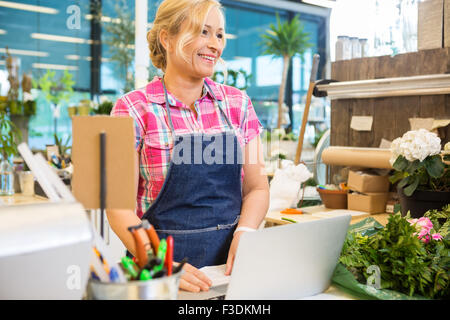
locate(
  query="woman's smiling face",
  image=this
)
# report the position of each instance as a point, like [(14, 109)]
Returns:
[(204, 51)]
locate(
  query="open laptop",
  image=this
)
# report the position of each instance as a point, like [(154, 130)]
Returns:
[(284, 262)]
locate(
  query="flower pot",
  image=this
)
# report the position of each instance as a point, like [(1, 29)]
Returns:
[(22, 123), (422, 200), (72, 111), (333, 199), (83, 110)]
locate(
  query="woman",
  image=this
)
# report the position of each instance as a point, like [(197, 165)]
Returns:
[(191, 136)]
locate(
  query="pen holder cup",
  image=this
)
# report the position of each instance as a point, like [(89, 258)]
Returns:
[(165, 288), (333, 199)]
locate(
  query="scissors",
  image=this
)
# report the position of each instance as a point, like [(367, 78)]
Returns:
[(142, 247)]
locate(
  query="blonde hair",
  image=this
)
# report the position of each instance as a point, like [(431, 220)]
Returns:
[(170, 16)]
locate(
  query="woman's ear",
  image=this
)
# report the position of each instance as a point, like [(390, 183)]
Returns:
[(164, 39)]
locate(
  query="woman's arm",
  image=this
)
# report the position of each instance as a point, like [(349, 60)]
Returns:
[(120, 220), (192, 280), (255, 202)]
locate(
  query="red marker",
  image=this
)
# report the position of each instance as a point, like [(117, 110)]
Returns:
[(169, 255)]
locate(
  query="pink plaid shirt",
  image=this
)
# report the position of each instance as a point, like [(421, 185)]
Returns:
[(153, 139)]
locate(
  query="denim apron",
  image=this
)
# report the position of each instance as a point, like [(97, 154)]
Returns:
[(200, 202)]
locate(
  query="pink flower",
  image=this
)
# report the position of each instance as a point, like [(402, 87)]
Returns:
[(436, 236), (425, 239), (424, 226), (423, 233), (425, 223)]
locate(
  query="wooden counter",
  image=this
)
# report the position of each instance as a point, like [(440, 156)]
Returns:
[(19, 198), (317, 213)]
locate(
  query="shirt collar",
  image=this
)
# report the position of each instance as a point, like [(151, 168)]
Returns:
[(155, 92)]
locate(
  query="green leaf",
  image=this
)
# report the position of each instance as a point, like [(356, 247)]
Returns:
[(434, 165), (396, 176), (404, 182), (400, 163)]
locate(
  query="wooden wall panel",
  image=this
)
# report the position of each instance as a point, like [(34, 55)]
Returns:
[(390, 114)]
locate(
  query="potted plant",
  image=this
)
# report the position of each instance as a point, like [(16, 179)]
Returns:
[(285, 40), (19, 109), (104, 107), (422, 175), (10, 137)]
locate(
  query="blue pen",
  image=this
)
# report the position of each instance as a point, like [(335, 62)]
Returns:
[(113, 275)]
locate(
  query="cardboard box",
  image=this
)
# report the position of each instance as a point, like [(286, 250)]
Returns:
[(430, 24), (368, 202), (364, 182)]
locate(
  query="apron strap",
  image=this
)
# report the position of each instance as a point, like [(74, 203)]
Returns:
[(230, 126), (219, 105), (167, 107)]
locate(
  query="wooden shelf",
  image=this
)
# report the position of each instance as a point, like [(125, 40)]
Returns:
[(434, 84)]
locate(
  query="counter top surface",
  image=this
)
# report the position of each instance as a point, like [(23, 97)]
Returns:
[(19, 198), (320, 212)]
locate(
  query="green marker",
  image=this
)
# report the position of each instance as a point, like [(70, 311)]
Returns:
[(130, 267), (145, 275), (161, 254)]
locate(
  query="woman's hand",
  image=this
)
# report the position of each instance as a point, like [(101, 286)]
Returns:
[(232, 252), (194, 280)]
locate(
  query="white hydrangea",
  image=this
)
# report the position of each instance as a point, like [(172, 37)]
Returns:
[(415, 145)]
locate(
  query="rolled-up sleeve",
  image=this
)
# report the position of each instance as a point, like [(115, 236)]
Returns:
[(124, 109)]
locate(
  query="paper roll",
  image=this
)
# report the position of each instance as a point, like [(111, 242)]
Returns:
[(357, 157)]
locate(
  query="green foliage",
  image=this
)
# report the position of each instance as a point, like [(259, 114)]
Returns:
[(63, 147), (10, 136), (407, 264), (119, 37), (285, 39), (55, 90), (104, 108), (440, 220), (430, 174)]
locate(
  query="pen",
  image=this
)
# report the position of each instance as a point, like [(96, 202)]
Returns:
[(145, 275), (290, 220), (180, 266), (169, 255), (104, 263), (152, 263), (162, 249), (130, 267)]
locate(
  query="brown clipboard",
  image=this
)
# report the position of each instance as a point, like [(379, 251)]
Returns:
[(120, 161)]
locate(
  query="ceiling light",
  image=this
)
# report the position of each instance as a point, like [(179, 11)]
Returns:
[(321, 3), (230, 36), (27, 7), (76, 57), (53, 66), (103, 18), (25, 52), (2, 31), (52, 37)]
